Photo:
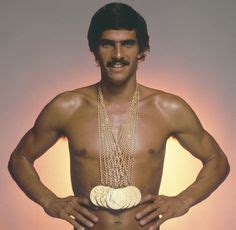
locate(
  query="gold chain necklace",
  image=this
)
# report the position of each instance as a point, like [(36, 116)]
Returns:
[(116, 159)]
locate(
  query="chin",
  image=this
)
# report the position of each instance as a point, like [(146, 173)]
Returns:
[(115, 79), (118, 80)]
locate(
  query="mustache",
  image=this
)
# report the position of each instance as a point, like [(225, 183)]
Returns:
[(117, 61)]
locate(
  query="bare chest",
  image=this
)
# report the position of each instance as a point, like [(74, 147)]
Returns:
[(83, 133)]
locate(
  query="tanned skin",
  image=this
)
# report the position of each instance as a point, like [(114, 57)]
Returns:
[(161, 115)]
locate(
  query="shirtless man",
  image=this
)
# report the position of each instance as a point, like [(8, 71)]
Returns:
[(118, 38)]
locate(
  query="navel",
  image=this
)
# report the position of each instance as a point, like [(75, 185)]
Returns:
[(152, 151), (81, 152), (118, 222)]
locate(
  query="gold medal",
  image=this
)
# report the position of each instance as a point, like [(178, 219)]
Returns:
[(116, 199), (97, 192), (101, 198), (135, 193), (129, 202), (103, 201), (120, 198)]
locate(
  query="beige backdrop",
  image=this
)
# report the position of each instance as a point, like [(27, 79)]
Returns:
[(44, 52)]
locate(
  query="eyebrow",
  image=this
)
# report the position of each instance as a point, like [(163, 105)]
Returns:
[(105, 41)]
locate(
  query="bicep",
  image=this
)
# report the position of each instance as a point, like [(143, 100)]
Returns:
[(35, 143), (192, 136), (200, 144), (44, 134)]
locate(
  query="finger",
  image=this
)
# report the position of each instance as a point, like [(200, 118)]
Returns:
[(87, 203), (158, 223), (160, 199), (147, 198), (72, 221), (84, 201), (81, 219), (152, 216), (146, 210), (85, 212)]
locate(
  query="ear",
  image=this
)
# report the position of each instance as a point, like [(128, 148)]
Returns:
[(97, 61), (141, 56)]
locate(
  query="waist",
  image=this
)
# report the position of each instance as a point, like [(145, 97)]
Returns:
[(119, 220)]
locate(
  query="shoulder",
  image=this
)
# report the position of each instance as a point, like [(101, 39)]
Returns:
[(69, 101), (64, 105), (162, 100), (175, 110)]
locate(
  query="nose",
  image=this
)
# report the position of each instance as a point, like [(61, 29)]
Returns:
[(117, 51)]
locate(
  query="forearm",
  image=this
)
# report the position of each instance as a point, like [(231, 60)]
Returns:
[(25, 175), (212, 174)]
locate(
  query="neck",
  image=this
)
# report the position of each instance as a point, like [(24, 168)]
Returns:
[(118, 94)]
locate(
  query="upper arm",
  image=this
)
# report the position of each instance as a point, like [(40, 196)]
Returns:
[(46, 131), (189, 132)]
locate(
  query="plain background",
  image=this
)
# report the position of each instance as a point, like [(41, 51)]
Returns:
[(44, 52)]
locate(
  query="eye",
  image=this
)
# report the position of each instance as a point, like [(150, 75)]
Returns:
[(128, 43), (106, 43)]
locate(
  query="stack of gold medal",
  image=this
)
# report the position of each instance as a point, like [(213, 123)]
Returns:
[(116, 159)]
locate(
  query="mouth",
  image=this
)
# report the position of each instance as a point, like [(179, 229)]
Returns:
[(117, 66)]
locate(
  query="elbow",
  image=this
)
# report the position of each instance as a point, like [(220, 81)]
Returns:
[(220, 165), (16, 163), (11, 163), (224, 166), (227, 166)]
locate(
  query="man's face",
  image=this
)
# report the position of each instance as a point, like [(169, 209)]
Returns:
[(118, 55)]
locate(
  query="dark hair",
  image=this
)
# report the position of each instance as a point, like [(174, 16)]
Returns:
[(117, 16)]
